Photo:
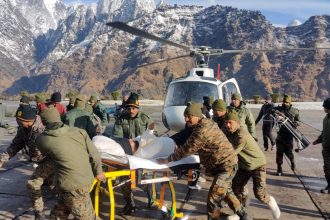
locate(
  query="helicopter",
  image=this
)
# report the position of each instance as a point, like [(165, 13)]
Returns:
[(199, 81)]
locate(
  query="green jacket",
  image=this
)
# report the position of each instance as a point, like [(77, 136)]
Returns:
[(76, 159), (324, 138), (246, 117), (126, 127), (80, 118), (249, 153), (100, 110)]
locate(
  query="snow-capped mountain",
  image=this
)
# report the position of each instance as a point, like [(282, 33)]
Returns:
[(83, 53)]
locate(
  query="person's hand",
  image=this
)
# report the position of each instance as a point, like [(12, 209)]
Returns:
[(315, 142), (162, 160), (152, 126), (101, 177)]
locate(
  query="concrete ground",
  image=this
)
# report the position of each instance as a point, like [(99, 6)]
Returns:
[(297, 195)]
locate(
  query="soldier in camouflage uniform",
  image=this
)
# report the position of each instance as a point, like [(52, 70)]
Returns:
[(79, 117), (29, 129), (216, 154), (76, 162), (284, 140), (130, 124), (244, 114), (251, 163), (324, 138), (219, 108), (99, 109)]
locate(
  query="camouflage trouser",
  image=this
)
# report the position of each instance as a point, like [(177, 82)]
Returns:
[(43, 171), (284, 147), (77, 202), (259, 184), (221, 190), (326, 159)]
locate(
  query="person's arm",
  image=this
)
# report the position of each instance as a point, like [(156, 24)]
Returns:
[(261, 113), (17, 143), (94, 155), (117, 130), (194, 142), (241, 143), (318, 140)]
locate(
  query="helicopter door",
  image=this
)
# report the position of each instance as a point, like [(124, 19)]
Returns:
[(228, 88)]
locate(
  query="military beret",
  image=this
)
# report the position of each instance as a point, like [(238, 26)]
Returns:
[(26, 113), (56, 97), (50, 115), (236, 96), (24, 99), (194, 109), (287, 98), (232, 116), (219, 105), (326, 103), (133, 101)]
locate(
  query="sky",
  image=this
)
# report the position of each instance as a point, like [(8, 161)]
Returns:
[(278, 12)]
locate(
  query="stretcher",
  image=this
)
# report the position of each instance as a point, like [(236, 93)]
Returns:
[(152, 173)]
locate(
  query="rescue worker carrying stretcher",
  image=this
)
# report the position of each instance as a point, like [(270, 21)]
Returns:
[(217, 155)]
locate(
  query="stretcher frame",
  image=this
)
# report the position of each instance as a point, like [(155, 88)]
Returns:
[(116, 169)]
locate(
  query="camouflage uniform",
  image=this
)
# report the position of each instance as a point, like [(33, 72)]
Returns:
[(70, 147), (284, 140), (251, 162), (218, 157), (246, 117), (126, 127), (324, 138), (45, 168)]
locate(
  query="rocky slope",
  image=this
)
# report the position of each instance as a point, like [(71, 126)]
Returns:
[(83, 53)]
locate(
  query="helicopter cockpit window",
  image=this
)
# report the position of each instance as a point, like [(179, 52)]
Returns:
[(227, 90), (179, 94)]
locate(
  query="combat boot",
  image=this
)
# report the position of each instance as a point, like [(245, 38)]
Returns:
[(279, 170), (128, 209), (39, 215), (243, 215)]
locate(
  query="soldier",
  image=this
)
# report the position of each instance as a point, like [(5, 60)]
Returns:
[(207, 106), (324, 138), (41, 102), (216, 154), (72, 100), (99, 109), (251, 163), (130, 124), (30, 127), (79, 117), (2, 123), (55, 100), (244, 114), (284, 140), (268, 122), (76, 162), (219, 108)]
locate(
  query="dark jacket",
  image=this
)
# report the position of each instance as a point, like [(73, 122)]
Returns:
[(266, 114)]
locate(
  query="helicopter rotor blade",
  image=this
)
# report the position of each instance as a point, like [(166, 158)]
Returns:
[(135, 31), (165, 60), (221, 51)]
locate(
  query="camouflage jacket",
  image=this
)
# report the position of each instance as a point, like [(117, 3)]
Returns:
[(80, 118), (210, 143), (249, 153), (246, 117), (27, 137), (100, 110), (293, 114), (324, 138), (126, 127)]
